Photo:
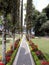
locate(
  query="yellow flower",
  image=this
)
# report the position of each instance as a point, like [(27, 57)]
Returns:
[(0, 57)]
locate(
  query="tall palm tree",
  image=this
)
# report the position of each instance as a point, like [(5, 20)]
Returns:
[(29, 15)]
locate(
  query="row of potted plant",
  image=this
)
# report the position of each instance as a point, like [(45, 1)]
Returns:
[(10, 54)]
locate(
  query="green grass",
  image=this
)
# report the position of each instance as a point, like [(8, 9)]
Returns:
[(7, 41), (43, 44)]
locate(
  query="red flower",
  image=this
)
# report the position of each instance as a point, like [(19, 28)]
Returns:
[(1, 63), (15, 45), (45, 63), (8, 58), (38, 52)]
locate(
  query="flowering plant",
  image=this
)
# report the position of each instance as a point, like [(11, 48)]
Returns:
[(1, 63), (39, 54), (8, 58), (45, 63), (9, 53)]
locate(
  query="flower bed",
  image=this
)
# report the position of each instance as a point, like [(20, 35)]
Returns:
[(10, 54), (36, 53), (45, 63), (12, 57), (1, 63), (37, 62), (40, 55)]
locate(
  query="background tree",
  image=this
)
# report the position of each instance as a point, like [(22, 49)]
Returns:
[(41, 19), (45, 28), (46, 10), (21, 16)]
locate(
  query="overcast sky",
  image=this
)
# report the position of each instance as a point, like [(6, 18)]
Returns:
[(39, 5)]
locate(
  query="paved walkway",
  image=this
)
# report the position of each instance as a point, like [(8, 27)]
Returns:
[(23, 56)]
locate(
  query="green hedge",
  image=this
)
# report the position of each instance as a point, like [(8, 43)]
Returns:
[(37, 61)]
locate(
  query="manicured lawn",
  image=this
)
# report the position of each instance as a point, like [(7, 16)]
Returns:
[(43, 44)]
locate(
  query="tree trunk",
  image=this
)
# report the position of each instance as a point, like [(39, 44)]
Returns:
[(30, 31), (29, 15), (21, 15), (26, 31), (4, 40), (13, 40)]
